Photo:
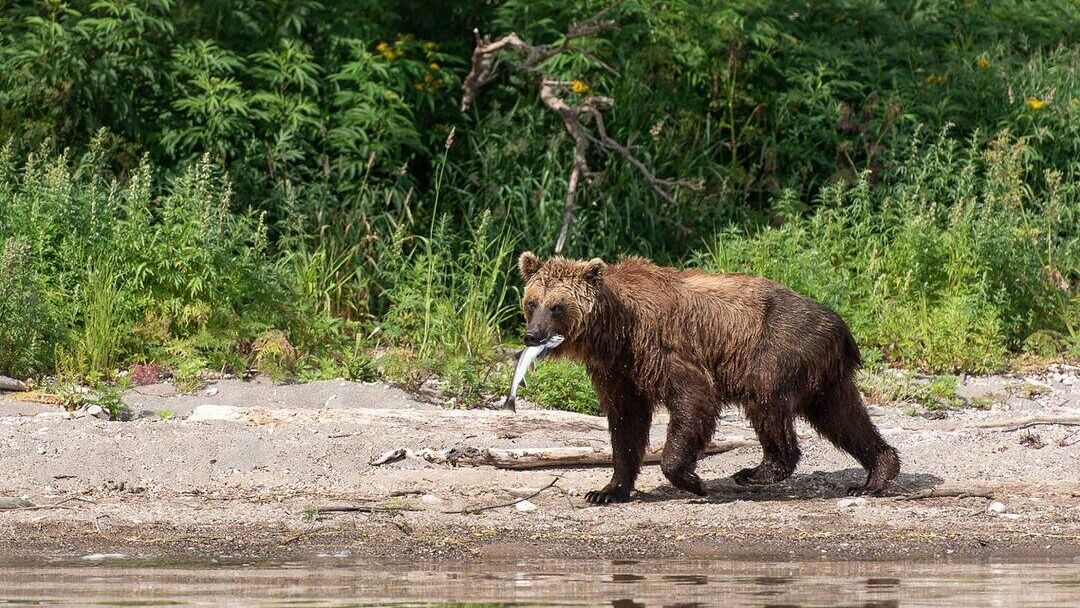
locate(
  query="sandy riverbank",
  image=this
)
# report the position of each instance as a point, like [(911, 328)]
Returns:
[(263, 483)]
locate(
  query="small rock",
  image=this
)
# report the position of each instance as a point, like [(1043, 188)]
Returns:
[(996, 508), (210, 392), (525, 506), (98, 412), (1011, 515), (850, 503), (430, 499)]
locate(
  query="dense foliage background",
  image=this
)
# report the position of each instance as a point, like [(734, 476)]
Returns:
[(290, 184)]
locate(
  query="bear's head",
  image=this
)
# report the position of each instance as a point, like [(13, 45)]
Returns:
[(559, 296)]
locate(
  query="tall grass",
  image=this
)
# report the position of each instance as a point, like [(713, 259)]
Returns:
[(25, 319), (97, 348)]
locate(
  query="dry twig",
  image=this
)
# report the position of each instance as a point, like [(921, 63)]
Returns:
[(507, 504)]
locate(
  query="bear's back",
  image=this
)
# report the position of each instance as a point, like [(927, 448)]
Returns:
[(729, 319)]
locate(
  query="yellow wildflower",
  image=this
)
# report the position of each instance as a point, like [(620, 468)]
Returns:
[(984, 63), (431, 46), (932, 79), (1035, 103), (579, 87), (382, 47), (434, 67)]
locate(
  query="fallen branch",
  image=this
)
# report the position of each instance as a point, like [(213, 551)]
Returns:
[(539, 458), (957, 491), (360, 509), (1063, 418), (983, 489), (55, 505), (508, 504)]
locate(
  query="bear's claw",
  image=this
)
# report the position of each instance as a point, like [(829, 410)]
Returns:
[(605, 496)]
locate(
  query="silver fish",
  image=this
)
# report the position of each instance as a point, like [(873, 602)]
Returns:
[(528, 358)]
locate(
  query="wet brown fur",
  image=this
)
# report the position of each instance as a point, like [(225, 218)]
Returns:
[(693, 342)]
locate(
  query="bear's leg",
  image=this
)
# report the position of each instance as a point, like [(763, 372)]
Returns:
[(629, 419), (691, 426), (775, 426), (841, 417), (685, 440)]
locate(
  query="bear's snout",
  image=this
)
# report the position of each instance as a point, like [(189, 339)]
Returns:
[(534, 338)]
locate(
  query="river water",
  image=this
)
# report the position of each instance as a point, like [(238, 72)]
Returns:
[(344, 581)]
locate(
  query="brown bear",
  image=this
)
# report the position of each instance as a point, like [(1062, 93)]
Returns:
[(693, 342)]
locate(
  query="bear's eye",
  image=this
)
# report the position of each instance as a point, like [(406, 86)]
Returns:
[(557, 310), (530, 306)]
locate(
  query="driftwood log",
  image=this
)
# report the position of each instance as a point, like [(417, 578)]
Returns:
[(539, 458), (11, 384)]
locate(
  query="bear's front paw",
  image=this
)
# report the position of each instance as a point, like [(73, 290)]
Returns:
[(608, 495)]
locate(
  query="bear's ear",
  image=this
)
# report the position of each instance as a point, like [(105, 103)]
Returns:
[(594, 271), (528, 265)]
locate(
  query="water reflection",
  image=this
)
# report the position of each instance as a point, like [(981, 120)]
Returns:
[(339, 582)]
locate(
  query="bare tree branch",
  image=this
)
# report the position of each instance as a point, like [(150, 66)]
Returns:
[(554, 94)]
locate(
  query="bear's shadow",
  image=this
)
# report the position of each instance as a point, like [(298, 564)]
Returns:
[(800, 486)]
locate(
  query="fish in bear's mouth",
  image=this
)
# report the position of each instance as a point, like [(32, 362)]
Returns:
[(528, 357)]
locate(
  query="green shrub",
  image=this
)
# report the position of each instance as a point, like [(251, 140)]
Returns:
[(563, 385), (949, 265), (185, 177)]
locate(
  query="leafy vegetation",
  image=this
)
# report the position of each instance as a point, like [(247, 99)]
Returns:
[(291, 184)]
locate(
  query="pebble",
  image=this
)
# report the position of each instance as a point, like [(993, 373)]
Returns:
[(525, 506), (210, 392), (98, 412), (850, 503), (997, 508), (95, 411), (430, 499)]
